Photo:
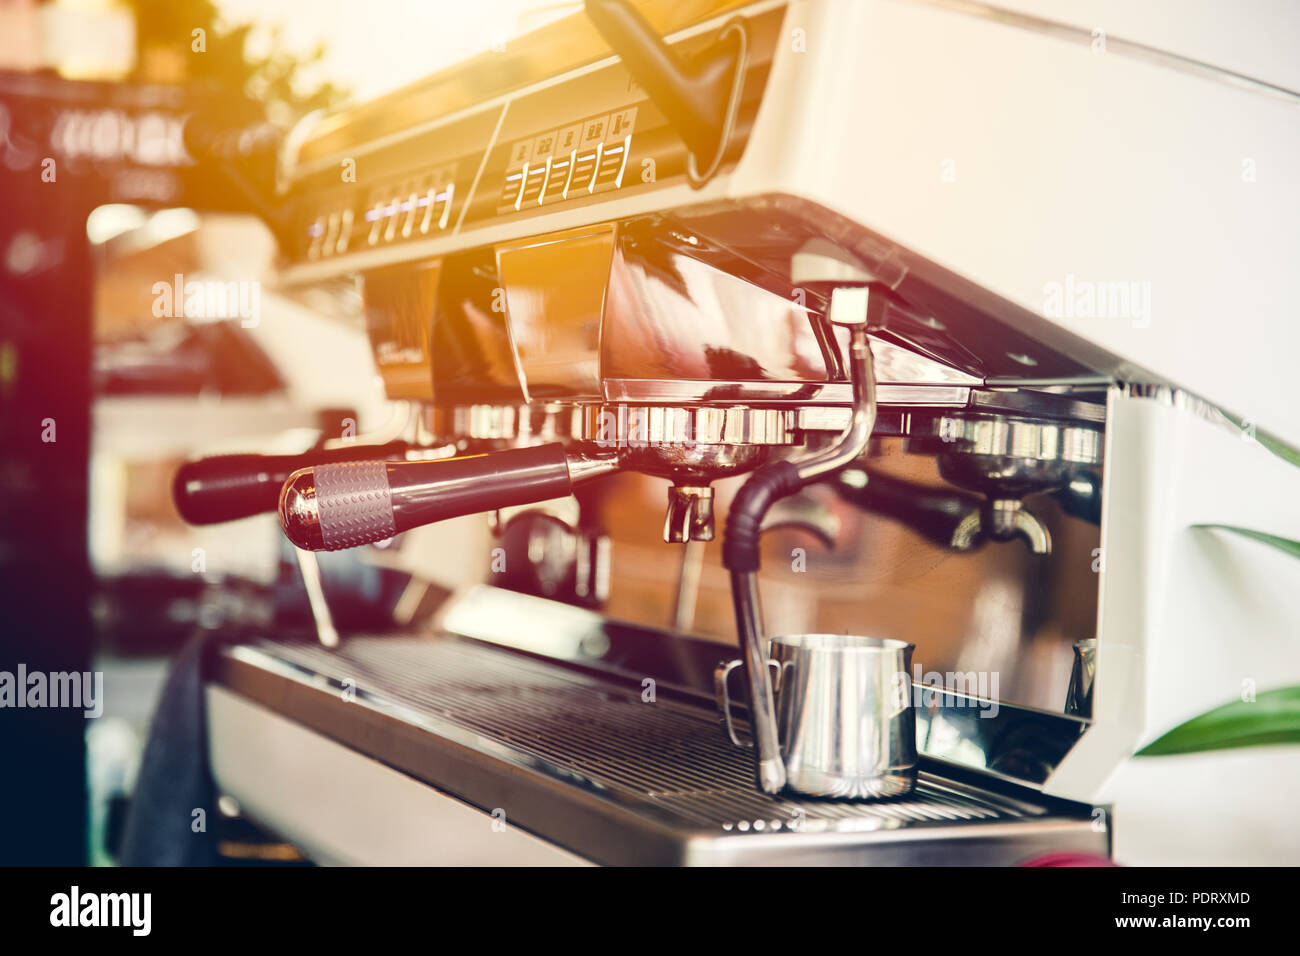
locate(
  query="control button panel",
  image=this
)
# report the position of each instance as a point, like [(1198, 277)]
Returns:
[(441, 165), (579, 159), (397, 209)]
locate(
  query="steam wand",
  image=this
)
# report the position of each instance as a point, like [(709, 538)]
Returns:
[(852, 307)]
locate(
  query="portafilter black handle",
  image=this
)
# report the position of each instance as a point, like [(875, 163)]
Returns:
[(229, 487), (345, 505)]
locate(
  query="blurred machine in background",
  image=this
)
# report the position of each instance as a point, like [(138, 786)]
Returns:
[(68, 148)]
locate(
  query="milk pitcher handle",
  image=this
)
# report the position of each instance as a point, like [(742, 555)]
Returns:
[(722, 697)]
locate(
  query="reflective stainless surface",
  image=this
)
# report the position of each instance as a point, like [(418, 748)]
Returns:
[(549, 553), (592, 764), (1002, 436), (854, 440), (762, 702), (803, 512), (690, 514), (844, 707), (691, 463), (1006, 459), (1000, 741), (652, 314), (640, 426), (556, 327), (669, 315), (986, 734), (1078, 700), (829, 399), (1002, 519), (514, 425), (845, 712), (585, 467)]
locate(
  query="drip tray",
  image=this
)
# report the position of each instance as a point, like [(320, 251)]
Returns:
[(598, 768)]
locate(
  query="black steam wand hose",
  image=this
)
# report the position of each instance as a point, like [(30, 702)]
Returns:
[(741, 556)]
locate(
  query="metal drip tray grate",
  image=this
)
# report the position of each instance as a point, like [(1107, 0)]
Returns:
[(665, 763)]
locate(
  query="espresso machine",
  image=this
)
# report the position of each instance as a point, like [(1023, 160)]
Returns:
[(844, 303)]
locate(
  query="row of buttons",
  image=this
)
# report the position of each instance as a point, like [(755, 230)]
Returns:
[(416, 207), (585, 157)]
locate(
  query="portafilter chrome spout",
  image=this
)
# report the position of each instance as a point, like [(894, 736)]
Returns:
[(740, 549)]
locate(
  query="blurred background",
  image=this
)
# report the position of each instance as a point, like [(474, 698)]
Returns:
[(99, 571)]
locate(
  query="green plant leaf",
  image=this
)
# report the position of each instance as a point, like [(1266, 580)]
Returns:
[(1285, 544), (1272, 718), (1279, 448)]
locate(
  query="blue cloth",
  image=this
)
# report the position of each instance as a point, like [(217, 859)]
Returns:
[(162, 828)]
